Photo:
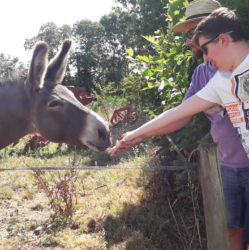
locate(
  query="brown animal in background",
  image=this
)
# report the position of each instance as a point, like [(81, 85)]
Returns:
[(42, 105)]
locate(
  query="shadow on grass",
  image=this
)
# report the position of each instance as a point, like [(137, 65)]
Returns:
[(166, 217)]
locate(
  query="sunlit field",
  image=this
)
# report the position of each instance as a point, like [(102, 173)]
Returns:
[(95, 209)]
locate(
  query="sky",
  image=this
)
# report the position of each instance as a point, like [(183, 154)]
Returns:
[(22, 19)]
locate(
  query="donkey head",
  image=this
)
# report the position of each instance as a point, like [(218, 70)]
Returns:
[(56, 113)]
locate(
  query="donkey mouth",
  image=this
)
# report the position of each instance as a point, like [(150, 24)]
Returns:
[(96, 146)]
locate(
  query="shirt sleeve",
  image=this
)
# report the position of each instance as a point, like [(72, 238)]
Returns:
[(202, 74), (194, 85), (209, 92)]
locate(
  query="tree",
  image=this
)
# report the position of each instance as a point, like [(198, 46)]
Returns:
[(162, 72), (52, 34), (99, 54), (11, 67), (163, 77), (142, 17), (116, 63), (89, 52), (125, 28)]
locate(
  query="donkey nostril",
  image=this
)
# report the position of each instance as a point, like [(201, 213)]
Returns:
[(102, 134)]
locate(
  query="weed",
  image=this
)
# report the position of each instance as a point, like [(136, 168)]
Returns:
[(50, 241), (6, 192), (37, 207), (61, 193), (28, 194)]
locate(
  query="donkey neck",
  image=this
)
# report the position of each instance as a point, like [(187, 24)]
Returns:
[(15, 112)]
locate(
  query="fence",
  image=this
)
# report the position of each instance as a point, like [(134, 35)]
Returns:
[(212, 193), (213, 200)]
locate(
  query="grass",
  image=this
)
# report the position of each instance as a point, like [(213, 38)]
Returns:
[(113, 209)]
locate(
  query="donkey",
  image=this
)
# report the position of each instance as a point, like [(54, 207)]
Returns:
[(41, 105)]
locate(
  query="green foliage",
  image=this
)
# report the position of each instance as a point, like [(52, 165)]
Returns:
[(164, 72), (99, 54), (125, 28), (52, 34), (89, 52), (10, 66), (142, 17), (163, 78), (176, 10), (108, 99), (115, 64), (132, 86)]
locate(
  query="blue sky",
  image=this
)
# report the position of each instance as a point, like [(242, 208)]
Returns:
[(21, 19)]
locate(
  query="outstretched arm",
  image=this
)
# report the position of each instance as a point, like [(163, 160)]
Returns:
[(167, 122), (170, 128), (122, 146)]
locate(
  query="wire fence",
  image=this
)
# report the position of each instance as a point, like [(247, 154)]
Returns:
[(188, 166)]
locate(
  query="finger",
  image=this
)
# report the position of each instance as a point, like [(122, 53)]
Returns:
[(111, 150), (115, 150), (122, 150), (123, 135), (111, 153)]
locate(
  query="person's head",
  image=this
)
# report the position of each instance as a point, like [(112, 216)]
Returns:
[(215, 36), (195, 12)]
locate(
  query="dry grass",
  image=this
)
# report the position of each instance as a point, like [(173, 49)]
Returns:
[(115, 209)]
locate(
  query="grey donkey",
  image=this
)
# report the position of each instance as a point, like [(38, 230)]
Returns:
[(40, 104)]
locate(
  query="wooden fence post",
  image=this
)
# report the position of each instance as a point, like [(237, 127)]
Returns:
[(213, 199)]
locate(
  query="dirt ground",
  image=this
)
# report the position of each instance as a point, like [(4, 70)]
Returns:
[(22, 221)]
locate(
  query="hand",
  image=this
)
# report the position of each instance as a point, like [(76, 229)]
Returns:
[(120, 146), (124, 145), (129, 137)]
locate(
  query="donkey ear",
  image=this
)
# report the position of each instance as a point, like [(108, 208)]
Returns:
[(57, 66), (38, 66)]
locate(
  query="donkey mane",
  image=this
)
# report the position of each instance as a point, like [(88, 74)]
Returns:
[(15, 85), (5, 83)]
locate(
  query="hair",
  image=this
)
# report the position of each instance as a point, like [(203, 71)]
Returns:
[(220, 21)]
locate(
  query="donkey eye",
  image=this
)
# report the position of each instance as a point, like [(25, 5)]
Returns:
[(55, 104)]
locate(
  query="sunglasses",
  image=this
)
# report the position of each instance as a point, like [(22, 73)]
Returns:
[(204, 47)]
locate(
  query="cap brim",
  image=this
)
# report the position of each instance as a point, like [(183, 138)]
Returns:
[(186, 25)]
